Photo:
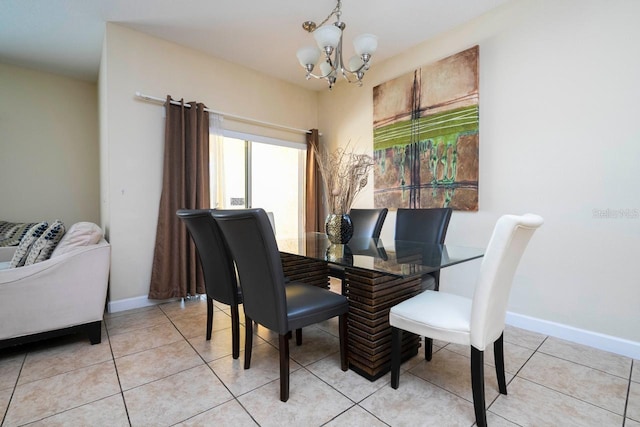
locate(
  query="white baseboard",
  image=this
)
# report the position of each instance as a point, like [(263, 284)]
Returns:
[(581, 336), (131, 303)]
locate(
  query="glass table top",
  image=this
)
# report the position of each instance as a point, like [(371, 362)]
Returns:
[(399, 257)]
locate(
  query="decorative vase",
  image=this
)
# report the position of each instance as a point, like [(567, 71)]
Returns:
[(339, 228), (340, 254)]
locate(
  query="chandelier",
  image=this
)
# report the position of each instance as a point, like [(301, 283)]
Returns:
[(329, 41)]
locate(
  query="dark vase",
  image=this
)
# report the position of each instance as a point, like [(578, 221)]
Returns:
[(339, 228)]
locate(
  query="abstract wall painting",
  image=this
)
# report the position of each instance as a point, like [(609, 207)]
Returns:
[(425, 136)]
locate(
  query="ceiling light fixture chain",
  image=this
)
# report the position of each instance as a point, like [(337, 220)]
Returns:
[(329, 41)]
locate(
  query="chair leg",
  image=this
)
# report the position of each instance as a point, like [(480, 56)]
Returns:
[(436, 275), (344, 341), (396, 355), (248, 341), (477, 386), (428, 349), (209, 316), (299, 336), (498, 351), (283, 346), (235, 331)]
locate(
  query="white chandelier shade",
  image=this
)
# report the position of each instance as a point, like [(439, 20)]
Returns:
[(329, 41)]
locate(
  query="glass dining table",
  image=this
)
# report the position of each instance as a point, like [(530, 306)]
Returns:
[(378, 276)]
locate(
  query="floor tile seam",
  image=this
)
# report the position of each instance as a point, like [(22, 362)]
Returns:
[(582, 364), (15, 383), (527, 361), (181, 300), (313, 361), (611, 376), (338, 415), (126, 331), (492, 368), (626, 402), (504, 418), (13, 392), (63, 373), (510, 344), (161, 378), (194, 315), (129, 312), (206, 410), (119, 393), (147, 349), (115, 367), (151, 312), (326, 382), (572, 397), (435, 385), (371, 413), (233, 396), (247, 411)]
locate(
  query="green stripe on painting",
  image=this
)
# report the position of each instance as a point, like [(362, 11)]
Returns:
[(447, 123)]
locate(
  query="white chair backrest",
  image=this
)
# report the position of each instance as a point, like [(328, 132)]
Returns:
[(506, 246)]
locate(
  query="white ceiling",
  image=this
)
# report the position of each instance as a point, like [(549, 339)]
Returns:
[(65, 36)]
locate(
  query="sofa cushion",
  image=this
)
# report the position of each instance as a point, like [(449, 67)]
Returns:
[(79, 234), (44, 246), (26, 243), (11, 233)]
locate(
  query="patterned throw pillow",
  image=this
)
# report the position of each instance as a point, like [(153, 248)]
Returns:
[(44, 246), (26, 243), (11, 233)]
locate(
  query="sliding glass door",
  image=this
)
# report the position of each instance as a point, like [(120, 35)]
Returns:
[(256, 172)]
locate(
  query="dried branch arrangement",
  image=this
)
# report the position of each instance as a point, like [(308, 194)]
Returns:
[(344, 173)]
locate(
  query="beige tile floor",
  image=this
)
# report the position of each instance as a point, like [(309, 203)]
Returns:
[(155, 368)]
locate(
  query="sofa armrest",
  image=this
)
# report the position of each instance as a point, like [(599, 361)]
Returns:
[(60, 292), (6, 253)]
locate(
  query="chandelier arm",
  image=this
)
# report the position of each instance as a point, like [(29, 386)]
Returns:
[(333, 12)]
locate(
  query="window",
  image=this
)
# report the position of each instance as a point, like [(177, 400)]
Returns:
[(249, 171)]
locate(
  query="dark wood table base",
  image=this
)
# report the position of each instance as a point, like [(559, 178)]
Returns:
[(300, 269), (371, 295)]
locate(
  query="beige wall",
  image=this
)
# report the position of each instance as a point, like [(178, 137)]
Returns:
[(132, 134), (48, 146), (558, 137)]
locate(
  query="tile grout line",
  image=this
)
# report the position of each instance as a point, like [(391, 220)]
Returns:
[(212, 370), (115, 367), (13, 392), (626, 402)]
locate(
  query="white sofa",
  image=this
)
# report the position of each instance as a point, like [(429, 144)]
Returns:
[(64, 294)]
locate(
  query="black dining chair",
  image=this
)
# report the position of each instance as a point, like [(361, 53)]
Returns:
[(267, 300), (426, 226), (367, 224), (217, 267)]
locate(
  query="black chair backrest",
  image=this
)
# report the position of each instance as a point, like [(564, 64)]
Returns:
[(253, 246), (423, 225), (217, 264), (367, 223)]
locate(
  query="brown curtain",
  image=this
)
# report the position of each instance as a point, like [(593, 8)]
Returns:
[(313, 192), (185, 185)]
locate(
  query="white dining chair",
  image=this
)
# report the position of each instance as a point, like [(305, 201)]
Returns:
[(477, 321)]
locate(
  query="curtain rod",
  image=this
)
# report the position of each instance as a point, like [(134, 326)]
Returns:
[(231, 116)]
